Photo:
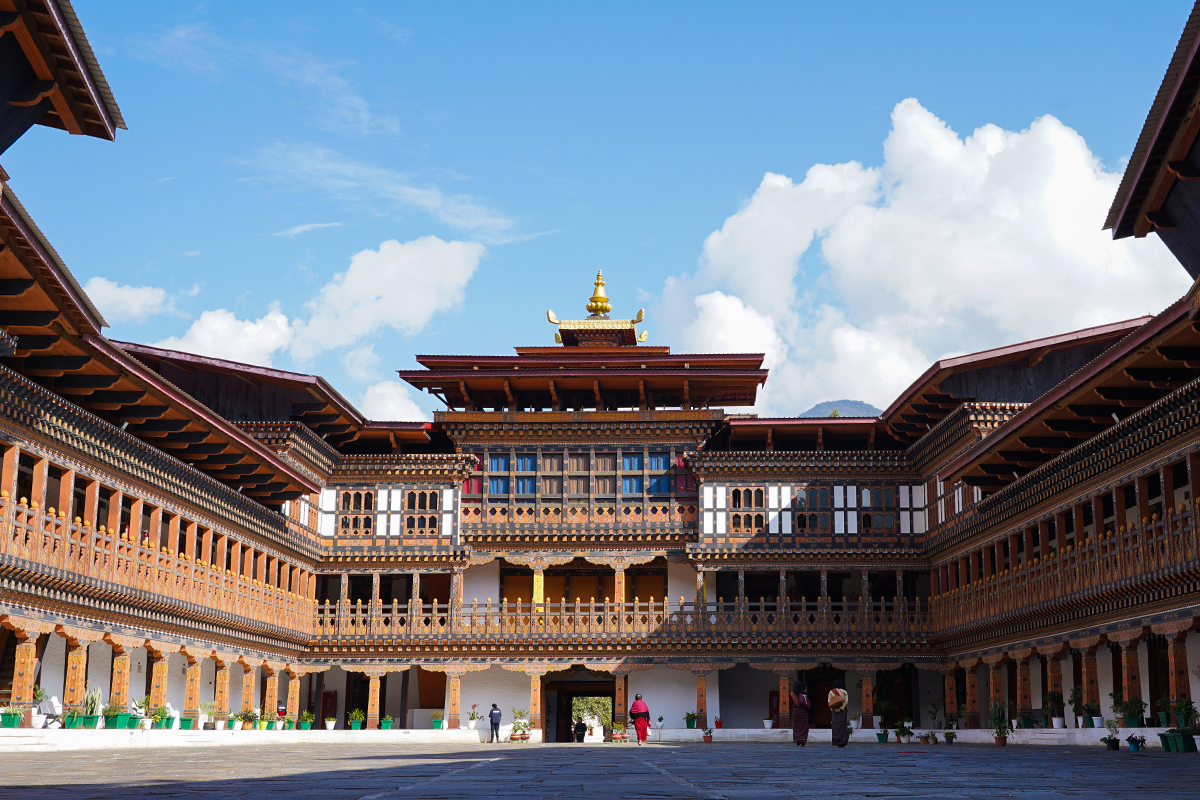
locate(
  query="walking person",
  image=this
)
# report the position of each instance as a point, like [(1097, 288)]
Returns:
[(838, 700), (494, 717), (580, 730), (639, 712), (800, 707)]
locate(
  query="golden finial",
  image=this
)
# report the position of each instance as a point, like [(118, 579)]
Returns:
[(599, 304)]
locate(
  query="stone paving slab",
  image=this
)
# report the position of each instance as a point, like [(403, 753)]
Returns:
[(763, 771)]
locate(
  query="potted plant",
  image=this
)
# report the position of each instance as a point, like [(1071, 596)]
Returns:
[(883, 707), (1164, 711), (881, 735), (767, 722), (950, 736), (903, 733), (690, 719), (330, 722), (357, 716), (999, 725), (1075, 700), (1054, 704), (10, 717), (933, 708), (385, 723), (306, 720), (660, 723), (618, 733), (933, 737), (474, 717), (249, 718), (36, 718), (158, 718), (1093, 711), (718, 722), (856, 720), (923, 738), (706, 735), (1112, 741), (1185, 712), (1135, 742), (115, 717), (1132, 710), (208, 715), (520, 726)]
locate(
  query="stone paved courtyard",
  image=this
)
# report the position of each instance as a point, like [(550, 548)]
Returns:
[(549, 771)]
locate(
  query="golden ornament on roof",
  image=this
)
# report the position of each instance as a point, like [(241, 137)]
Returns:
[(599, 304)]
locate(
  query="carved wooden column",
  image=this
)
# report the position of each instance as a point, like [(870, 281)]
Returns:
[(1178, 683), (221, 682), (700, 598), (1131, 672), (535, 673), (950, 692), (454, 673), (75, 685), (160, 653), (621, 701), (119, 693), (995, 680), (25, 670), (191, 698), (249, 665), (972, 668), (868, 696), (1024, 698), (271, 671), (1091, 682), (701, 671), (785, 704), (295, 673)]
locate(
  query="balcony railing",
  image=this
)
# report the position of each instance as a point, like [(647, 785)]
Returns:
[(505, 622), (1155, 554), (44, 542)]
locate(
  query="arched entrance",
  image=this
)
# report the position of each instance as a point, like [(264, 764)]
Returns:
[(560, 688)]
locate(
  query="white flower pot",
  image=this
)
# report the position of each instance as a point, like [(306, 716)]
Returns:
[(219, 724), (329, 725), (144, 723), (1098, 722), (277, 725), (855, 724), (38, 721), (1059, 722), (471, 724), (768, 723)]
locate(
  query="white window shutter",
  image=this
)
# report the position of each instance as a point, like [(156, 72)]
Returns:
[(708, 499), (904, 497), (839, 497)]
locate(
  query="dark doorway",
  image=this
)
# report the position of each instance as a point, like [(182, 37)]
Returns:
[(358, 695), (565, 687)]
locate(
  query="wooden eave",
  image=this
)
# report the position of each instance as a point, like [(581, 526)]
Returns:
[(1146, 366), (53, 42)]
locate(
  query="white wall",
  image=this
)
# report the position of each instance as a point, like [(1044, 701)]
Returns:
[(137, 673), (1104, 677), (394, 697), (681, 582), (506, 689), (1143, 652), (53, 673), (99, 669), (1193, 659), (670, 693), (1068, 684), (481, 583)]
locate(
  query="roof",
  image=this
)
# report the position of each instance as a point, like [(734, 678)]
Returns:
[(1146, 177), (95, 77)]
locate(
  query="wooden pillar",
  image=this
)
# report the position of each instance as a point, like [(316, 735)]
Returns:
[(119, 692), (247, 686), (619, 586), (950, 693), (785, 708), (972, 715), (66, 495), (1131, 672), (1024, 696), (1091, 683), (699, 588), (539, 587), (270, 709), (8, 471), (293, 695), (535, 700), (620, 703), (868, 698), (24, 671), (995, 685), (75, 685), (160, 673), (191, 697), (1177, 668), (453, 713), (41, 469), (373, 701), (221, 686)]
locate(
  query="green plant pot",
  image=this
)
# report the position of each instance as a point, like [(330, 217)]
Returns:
[(89, 721), (1132, 720), (1027, 722), (289, 724), (385, 724), (1186, 743), (691, 723), (306, 726), (1087, 722), (1164, 719), (1168, 745), (132, 722), (437, 724), (262, 724), (186, 724), (10, 719), (356, 725), (882, 737), (117, 721)]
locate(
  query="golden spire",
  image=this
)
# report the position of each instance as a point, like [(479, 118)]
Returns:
[(599, 304)]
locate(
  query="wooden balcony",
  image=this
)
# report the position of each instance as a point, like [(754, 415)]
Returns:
[(94, 565), (1147, 558), (504, 623)]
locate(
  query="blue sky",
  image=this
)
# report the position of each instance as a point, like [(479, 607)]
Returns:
[(270, 143)]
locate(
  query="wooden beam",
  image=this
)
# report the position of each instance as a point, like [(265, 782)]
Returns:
[(468, 400), (512, 403), (599, 401), (554, 397)]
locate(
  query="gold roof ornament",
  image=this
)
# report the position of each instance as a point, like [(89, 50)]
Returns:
[(598, 330)]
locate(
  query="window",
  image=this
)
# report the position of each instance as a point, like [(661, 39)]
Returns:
[(473, 486), (579, 484), (552, 463), (631, 462), (606, 484), (526, 485), (660, 484), (551, 484), (800, 498), (498, 462), (579, 462), (606, 462), (497, 485), (735, 498), (631, 484), (685, 484), (660, 461), (526, 463)]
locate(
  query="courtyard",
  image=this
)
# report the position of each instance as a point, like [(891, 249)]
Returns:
[(375, 772)]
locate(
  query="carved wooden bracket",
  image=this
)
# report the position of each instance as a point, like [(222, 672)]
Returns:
[(537, 561), (625, 669), (457, 670), (162, 649), (373, 670), (1129, 638), (194, 654), (1022, 655), (619, 561), (297, 670), (868, 667), (1088, 643), (1053, 651), (26, 628), (969, 663), (224, 660), (121, 643), (274, 667), (250, 663), (535, 669), (479, 559), (1176, 628), (697, 667), (995, 659), (77, 636)]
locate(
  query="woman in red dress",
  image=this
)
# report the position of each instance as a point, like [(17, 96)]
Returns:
[(639, 712), (800, 706)]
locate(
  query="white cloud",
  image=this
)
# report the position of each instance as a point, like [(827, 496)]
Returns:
[(361, 363), (390, 401), (312, 226), (400, 285), (952, 245), (120, 303), (308, 167), (220, 334)]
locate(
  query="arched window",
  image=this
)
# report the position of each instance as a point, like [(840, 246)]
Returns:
[(421, 500), (800, 522), (420, 523), (736, 522), (758, 523), (411, 523), (354, 524), (433, 523), (412, 501), (367, 524), (358, 501), (888, 498), (433, 501), (800, 497), (758, 498), (866, 522), (368, 501), (824, 520), (824, 500), (345, 501), (345, 523), (735, 498), (879, 521)]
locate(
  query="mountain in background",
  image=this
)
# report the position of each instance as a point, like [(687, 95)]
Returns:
[(845, 408)]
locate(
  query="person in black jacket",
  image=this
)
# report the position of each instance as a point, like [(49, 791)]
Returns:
[(494, 717), (580, 730)]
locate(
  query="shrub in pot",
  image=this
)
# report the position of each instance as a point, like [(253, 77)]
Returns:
[(999, 725), (690, 717), (1054, 704), (385, 723), (707, 734), (718, 722), (330, 723), (306, 720), (356, 719), (437, 717), (1112, 741), (950, 736)]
